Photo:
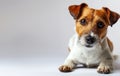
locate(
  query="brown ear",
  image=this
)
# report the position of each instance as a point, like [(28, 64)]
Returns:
[(113, 16), (75, 10)]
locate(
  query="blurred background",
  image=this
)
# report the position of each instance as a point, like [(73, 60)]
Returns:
[(36, 32)]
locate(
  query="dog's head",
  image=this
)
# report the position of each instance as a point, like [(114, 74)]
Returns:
[(92, 24)]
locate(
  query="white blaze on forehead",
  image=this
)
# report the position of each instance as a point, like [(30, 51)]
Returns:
[(92, 34)]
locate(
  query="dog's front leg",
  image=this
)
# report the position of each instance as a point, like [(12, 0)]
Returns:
[(68, 65), (106, 65)]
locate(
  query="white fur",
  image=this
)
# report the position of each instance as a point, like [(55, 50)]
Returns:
[(85, 55), (92, 34)]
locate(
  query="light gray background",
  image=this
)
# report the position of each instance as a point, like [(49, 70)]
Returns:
[(34, 36)]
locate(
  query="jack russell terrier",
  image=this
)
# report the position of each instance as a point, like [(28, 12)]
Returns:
[(90, 46)]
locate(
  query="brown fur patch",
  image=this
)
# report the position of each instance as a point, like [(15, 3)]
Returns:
[(110, 44), (92, 16), (69, 49), (75, 10), (112, 16)]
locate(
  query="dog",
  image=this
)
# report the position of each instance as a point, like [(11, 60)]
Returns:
[(89, 45)]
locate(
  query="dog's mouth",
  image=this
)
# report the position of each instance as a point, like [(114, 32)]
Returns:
[(88, 41), (89, 46)]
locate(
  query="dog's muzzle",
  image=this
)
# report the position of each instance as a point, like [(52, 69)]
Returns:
[(90, 40)]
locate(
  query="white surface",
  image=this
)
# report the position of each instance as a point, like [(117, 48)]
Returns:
[(46, 67), (34, 36)]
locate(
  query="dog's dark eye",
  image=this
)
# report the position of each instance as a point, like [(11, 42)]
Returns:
[(83, 22), (100, 25)]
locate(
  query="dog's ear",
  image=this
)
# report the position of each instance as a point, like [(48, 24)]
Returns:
[(76, 10), (112, 16)]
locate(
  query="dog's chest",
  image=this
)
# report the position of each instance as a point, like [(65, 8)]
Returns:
[(86, 55)]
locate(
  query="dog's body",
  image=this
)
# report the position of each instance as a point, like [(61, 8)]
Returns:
[(89, 56), (90, 46)]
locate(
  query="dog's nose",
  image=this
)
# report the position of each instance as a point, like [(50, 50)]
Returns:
[(90, 39)]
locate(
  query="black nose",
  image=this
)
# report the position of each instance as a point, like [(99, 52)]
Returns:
[(90, 39)]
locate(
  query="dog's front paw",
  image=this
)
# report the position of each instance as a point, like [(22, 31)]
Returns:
[(104, 69), (65, 68)]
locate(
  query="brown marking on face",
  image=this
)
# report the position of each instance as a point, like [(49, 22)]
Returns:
[(92, 18), (87, 15), (100, 16)]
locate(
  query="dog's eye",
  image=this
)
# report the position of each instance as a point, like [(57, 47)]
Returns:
[(100, 25), (83, 22)]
